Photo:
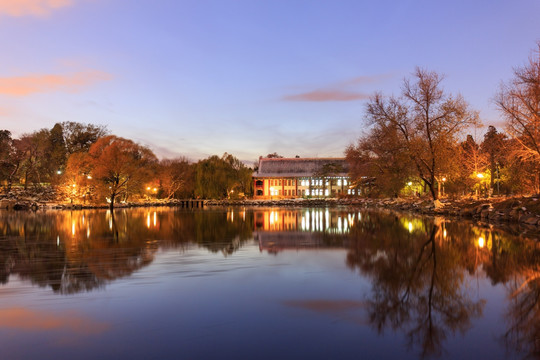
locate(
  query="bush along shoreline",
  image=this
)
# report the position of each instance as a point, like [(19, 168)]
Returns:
[(522, 210)]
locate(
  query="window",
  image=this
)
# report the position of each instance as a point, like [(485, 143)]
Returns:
[(307, 192), (345, 182), (339, 182)]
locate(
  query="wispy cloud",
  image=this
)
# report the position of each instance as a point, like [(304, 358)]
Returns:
[(362, 80), (326, 95), (4, 112), (31, 7), (26, 85), (339, 91)]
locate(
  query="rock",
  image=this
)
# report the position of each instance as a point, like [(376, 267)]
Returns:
[(529, 219), (6, 204)]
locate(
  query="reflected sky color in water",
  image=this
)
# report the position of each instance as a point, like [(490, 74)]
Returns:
[(263, 283)]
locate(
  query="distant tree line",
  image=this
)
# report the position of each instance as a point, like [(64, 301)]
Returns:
[(85, 163), (416, 142)]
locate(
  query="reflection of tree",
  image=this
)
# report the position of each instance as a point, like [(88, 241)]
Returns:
[(417, 282), (523, 316), (83, 250)]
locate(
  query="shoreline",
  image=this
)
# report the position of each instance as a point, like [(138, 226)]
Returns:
[(519, 210)]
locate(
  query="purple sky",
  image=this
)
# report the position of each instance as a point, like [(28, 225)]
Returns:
[(204, 77)]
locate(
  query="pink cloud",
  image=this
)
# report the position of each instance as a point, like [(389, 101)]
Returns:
[(362, 80), (31, 7), (4, 112), (327, 95), (26, 85)]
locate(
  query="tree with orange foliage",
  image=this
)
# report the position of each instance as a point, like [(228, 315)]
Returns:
[(119, 167)]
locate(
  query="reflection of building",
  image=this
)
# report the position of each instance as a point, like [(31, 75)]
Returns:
[(312, 220), (301, 177), (278, 230)]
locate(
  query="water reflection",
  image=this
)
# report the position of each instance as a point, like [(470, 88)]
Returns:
[(83, 250), (422, 273)]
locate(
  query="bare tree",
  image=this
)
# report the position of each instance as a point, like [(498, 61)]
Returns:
[(427, 122), (519, 102)]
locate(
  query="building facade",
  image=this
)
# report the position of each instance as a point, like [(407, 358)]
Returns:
[(289, 178)]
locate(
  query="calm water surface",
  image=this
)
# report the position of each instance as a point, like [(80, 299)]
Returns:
[(165, 283)]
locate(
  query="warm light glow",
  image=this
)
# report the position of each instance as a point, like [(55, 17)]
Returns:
[(58, 172), (89, 177), (409, 183), (444, 233), (155, 219), (480, 175), (155, 189), (443, 179), (481, 242), (410, 227), (148, 188)]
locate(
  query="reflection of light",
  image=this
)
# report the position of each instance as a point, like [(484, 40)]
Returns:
[(148, 220), (88, 232), (327, 217), (410, 227), (155, 218), (339, 223), (481, 242), (110, 224), (58, 240), (83, 219), (444, 233), (73, 228)]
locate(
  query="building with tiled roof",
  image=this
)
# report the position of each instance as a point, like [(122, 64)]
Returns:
[(297, 177)]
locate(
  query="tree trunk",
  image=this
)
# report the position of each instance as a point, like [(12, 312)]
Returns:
[(432, 191), (111, 204)]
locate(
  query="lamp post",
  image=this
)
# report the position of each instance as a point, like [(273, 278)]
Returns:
[(480, 176), (443, 182)]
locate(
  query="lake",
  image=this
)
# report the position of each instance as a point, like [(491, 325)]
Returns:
[(336, 283)]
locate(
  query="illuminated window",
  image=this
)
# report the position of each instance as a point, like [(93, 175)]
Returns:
[(345, 182), (339, 182), (307, 192), (326, 192)]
